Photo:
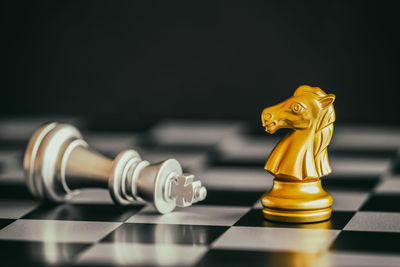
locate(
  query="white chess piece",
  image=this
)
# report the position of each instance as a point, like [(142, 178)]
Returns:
[(58, 162)]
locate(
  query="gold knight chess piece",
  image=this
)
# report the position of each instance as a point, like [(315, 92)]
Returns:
[(300, 159)]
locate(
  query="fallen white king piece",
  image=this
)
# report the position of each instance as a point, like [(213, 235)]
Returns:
[(58, 162)]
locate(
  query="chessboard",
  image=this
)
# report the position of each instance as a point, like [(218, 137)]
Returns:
[(226, 229)]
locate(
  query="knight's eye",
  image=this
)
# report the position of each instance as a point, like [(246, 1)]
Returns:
[(297, 108)]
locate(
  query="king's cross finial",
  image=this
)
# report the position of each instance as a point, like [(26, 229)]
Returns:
[(186, 192)]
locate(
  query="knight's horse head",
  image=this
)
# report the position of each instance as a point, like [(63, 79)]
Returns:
[(299, 111), (301, 154)]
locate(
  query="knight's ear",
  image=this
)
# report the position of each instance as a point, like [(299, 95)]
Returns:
[(327, 100)]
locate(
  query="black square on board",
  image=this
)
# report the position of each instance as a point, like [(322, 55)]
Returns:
[(385, 202), (5, 222), (26, 253), (231, 258), (363, 153), (14, 191), (83, 212), (217, 158), (368, 242), (350, 183), (396, 166), (254, 217)]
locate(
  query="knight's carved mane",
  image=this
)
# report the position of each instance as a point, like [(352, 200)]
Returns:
[(323, 130)]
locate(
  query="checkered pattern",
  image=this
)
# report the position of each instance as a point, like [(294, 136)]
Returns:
[(227, 229)]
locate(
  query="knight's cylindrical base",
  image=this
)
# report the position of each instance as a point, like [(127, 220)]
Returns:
[(297, 202), (297, 216)]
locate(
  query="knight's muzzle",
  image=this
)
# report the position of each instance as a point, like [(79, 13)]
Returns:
[(266, 117)]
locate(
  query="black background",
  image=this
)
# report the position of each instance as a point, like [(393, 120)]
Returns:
[(151, 60)]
